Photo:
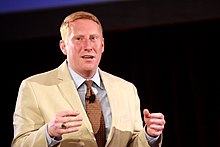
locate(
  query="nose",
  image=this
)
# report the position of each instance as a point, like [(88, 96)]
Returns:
[(87, 44)]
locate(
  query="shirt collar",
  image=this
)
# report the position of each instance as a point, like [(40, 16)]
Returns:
[(78, 80)]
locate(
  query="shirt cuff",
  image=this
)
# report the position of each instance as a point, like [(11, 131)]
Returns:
[(150, 139), (52, 141)]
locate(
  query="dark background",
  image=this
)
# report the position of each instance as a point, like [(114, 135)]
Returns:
[(168, 49)]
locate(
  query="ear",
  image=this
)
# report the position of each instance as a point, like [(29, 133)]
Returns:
[(103, 45), (63, 46)]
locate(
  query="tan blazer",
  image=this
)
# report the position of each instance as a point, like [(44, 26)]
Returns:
[(41, 96)]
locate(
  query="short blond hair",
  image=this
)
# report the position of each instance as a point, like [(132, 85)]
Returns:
[(64, 28)]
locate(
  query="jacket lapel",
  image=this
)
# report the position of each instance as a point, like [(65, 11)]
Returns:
[(70, 94), (112, 91)]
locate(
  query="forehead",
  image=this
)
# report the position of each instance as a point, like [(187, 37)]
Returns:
[(84, 25)]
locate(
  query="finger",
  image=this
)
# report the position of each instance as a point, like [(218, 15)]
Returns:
[(154, 132), (73, 124), (157, 127), (66, 119), (146, 113), (68, 113), (157, 115), (156, 122), (70, 127), (72, 112)]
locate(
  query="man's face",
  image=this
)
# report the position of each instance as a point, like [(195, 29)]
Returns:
[(84, 47)]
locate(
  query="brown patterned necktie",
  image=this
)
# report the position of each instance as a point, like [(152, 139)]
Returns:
[(94, 112)]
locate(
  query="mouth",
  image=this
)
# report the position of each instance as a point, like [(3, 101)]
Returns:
[(88, 57)]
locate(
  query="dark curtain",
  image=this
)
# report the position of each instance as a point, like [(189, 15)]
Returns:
[(174, 67)]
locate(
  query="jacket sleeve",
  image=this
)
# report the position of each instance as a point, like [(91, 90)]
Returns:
[(29, 126)]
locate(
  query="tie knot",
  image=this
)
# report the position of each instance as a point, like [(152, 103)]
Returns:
[(89, 93), (88, 83)]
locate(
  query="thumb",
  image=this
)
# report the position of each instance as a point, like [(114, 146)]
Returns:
[(146, 113)]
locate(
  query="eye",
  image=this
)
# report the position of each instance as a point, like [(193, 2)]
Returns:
[(78, 38), (94, 37)]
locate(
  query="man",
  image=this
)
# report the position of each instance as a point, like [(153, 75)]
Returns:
[(51, 109)]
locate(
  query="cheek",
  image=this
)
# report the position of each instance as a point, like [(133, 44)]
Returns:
[(74, 51), (73, 47), (100, 46)]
